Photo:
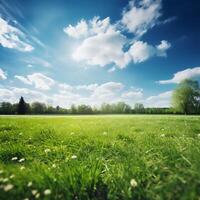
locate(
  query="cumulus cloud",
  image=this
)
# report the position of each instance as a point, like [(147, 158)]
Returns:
[(160, 100), (139, 17), (88, 28), (133, 94), (103, 49), (102, 42), (66, 95), (80, 30), (11, 37), (65, 87), (23, 79), (141, 51), (90, 87), (40, 81), (3, 75), (189, 73), (92, 94), (162, 48), (13, 94)]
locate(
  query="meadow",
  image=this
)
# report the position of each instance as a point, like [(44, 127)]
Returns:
[(100, 157)]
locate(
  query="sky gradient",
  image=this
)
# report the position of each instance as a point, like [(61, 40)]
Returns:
[(94, 51)]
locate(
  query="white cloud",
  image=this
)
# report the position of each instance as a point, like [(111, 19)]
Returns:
[(189, 73), (23, 79), (103, 43), (80, 30), (139, 17), (103, 49), (88, 28), (162, 48), (110, 87), (107, 92), (141, 51), (39, 80), (90, 87), (92, 94), (33, 60), (112, 69), (135, 94), (13, 94), (13, 38), (132, 95), (168, 20), (160, 100), (3, 75), (65, 87), (29, 65)]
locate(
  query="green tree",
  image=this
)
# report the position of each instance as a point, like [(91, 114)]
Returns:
[(22, 106), (122, 107), (73, 109), (38, 108), (84, 109), (186, 97), (6, 108), (139, 108)]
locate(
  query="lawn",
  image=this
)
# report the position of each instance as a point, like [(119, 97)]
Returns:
[(100, 157)]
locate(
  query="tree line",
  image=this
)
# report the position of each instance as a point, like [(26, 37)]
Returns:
[(185, 100), (41, 108)]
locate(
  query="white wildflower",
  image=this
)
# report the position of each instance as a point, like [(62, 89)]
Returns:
[(74, 157), (47, 150), (34, 192), (37, 195), (8, 187), (22, 160), (22, 168), (133, 183), (5, 180), (12, 176), (162, 135), (47, 192), (54, 165), (29, 184), (14, 158)]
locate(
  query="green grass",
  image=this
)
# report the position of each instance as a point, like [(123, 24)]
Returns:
[(161, 153)]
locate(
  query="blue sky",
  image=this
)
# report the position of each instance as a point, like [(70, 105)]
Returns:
[(94, 51)]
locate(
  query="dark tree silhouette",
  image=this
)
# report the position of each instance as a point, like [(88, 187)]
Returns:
[(22, 106)]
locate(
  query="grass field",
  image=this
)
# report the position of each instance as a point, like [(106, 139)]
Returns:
[(100, 157)]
